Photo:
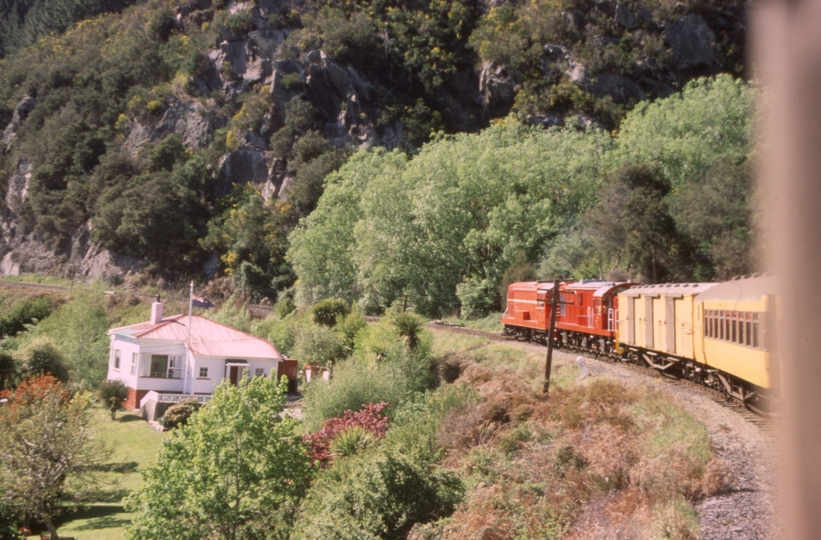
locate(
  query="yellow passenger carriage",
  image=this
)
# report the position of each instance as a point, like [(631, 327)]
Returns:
[(735, 341)]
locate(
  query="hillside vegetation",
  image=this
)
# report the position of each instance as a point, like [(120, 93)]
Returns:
[(190, 137), (667, 198), (417, 435)]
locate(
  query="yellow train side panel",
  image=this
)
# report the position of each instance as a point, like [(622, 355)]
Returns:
[(684, 326), (659, 311), (743, 362), (748, 363), (698, 332), (639, 314)]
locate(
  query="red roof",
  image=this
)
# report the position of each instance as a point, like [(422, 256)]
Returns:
[(208, 338)]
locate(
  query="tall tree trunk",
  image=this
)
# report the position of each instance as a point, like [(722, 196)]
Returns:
[(48, 522)]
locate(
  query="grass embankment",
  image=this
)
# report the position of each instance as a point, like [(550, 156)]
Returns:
[(595, 457), (39, 279), (489, 323), (135, 444)]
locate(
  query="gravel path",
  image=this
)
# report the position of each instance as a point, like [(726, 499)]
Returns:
[(746, 512)]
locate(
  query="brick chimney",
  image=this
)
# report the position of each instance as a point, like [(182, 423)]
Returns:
[(156, 312)]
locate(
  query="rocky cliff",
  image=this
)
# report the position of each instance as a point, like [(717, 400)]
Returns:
[(264, 91)]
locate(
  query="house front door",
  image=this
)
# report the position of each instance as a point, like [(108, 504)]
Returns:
[(235, 374)]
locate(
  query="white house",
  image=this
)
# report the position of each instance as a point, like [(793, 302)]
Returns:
[(154, 362)]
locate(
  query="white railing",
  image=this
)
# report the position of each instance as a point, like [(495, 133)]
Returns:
[(172, 398), (176, 398)]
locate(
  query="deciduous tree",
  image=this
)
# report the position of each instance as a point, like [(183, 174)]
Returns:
[(47, 452), (233, 472)]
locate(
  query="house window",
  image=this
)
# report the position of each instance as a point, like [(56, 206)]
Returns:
[(117, 359), (259, 372), (203, 373), (166, 366), (133, 363)]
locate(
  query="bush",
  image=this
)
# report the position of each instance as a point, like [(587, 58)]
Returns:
[(41, 356), (377, 494), (350, 326), (351, 442), (477, 297), (354, 384), (112, 394), (284, 307), (318, 346), (369, 418), (25, 312), (179, 413), (329, 311), (8, 371)]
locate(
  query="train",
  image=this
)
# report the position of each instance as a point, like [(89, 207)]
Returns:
[(718, 335)]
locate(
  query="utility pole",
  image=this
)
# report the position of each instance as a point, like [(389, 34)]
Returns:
[(554, 305)]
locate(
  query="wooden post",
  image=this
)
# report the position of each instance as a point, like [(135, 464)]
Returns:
[(554, 305)]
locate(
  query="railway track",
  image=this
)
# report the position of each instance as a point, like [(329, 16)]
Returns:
[(758, 420)]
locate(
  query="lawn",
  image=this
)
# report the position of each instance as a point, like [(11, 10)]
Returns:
[(135, 444)]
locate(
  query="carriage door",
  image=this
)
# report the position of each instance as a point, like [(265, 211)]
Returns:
[(648, 321), (670, 324), (631, 320)]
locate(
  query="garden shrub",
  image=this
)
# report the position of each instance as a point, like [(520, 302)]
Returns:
[(318, 346), (179, 413), (369, 418), (350, 326), (25, 312), (354, 384), (112, 394), (352, 441), (42, 356), (377, 494), (329, 311)]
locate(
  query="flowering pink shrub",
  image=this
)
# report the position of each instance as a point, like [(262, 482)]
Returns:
[(370, 417)]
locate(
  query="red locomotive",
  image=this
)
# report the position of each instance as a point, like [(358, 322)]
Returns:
[(587, 317)]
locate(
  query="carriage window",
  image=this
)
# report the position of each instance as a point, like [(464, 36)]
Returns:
[(755, 329)]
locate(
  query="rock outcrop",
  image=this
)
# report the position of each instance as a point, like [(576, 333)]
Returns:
[(691, 41), (21, 111), (190, 119)]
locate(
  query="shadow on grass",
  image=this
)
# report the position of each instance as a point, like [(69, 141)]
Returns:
[(109, 496), (119, 467), (99, 517), (125, 418)]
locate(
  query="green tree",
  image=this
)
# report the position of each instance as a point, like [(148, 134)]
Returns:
[(409, 327), (235, 471), (79, 329), (687, 132), (632, 223), (330, 311), (112, 394), (322, 248), (42, 356), (318, 346), (377, 495), (251, 236), (47, 449), (716, 213)]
